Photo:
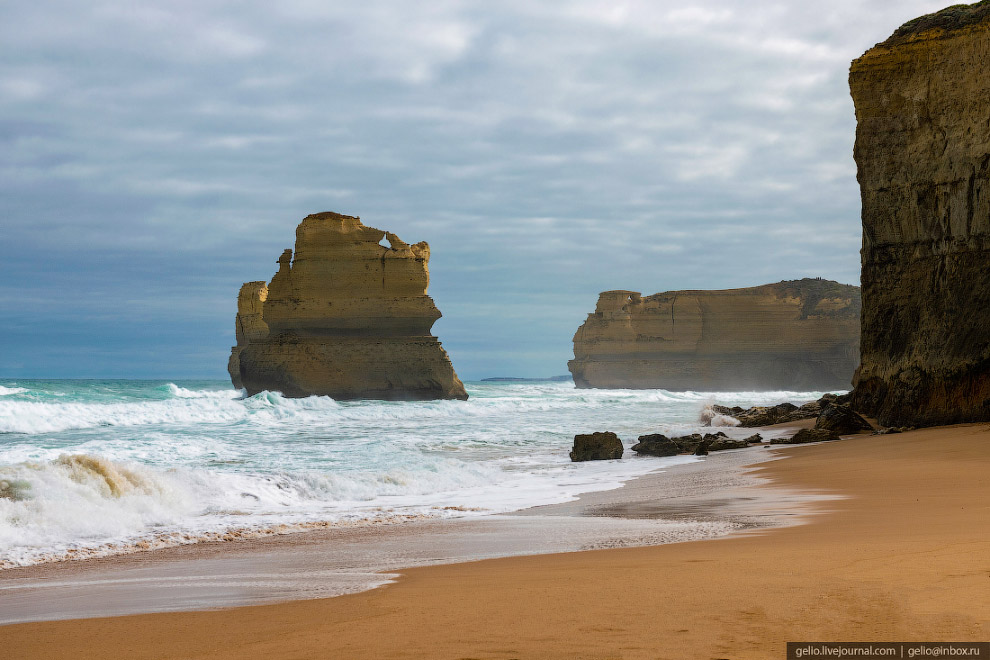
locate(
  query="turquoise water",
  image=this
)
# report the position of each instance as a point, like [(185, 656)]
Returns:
[(100, 467)]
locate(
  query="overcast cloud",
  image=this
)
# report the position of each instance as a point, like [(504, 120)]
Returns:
[(153, 156)]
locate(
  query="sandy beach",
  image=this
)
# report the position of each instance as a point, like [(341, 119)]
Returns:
[(904, 556)]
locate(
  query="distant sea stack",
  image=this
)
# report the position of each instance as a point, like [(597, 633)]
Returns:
[(344, 317), (923, 153), (793, 335)]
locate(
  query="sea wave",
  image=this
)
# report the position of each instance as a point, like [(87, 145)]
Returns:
[(7, 391), (78, 504), (188, 407), (80, 501), (89, 466)]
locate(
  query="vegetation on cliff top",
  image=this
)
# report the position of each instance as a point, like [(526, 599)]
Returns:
[(950, 18), (813, 290)]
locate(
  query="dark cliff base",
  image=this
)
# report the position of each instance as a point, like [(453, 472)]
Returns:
[(927, 400), (765, 373), (926, 351)]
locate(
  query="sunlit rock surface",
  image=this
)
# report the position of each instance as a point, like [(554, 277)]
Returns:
[(344, 316), (795, 335), (923, 153)]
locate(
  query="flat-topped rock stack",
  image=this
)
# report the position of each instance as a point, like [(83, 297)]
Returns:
[(923, 157), (344, 316), (792, 335)]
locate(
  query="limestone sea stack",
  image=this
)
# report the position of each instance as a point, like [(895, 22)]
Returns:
[(344, 317), (923, 155), (792, 335)]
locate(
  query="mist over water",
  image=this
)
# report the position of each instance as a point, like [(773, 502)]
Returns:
[(100, 467)]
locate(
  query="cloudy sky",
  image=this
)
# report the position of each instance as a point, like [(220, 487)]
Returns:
[(155, 155)]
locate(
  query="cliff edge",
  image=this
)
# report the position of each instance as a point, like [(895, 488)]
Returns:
[(793, 335), (923, 158), (345, 317)]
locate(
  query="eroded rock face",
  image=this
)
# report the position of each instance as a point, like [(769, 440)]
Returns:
[(797, 335), (249, 325), (923, 155), (344, 317)]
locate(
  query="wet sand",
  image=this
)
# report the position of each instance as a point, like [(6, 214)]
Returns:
[(904, 556)]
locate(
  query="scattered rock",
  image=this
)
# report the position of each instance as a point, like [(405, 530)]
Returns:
[(781, 413), (697, 444), (893, 429), (806, 435), (754, 439), (600, 446)]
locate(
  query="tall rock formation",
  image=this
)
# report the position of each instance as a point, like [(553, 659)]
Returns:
[(345, 317), (923, 153), (249, 325), (796, 335)]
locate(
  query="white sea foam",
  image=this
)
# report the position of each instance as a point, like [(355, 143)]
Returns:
[(6, 391), (183, 393), (79, 504), (113, 465)]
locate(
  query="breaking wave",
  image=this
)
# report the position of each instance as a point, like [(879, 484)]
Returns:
[(81, 505)]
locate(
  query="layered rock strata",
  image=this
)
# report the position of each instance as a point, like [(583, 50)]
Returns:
[(344, 316), (793, 335), (923, 157)]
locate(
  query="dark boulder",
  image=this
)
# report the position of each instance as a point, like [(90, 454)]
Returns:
[(721, 444), (842, 420), (765, 415), (805, 411), (656, 444), (754, 439), (690, 443), (600, 446), (807, 435)]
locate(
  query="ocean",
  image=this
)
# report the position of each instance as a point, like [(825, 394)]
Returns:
[(101, 467)]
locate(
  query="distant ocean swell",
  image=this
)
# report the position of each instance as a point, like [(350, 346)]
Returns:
[(114, 466)]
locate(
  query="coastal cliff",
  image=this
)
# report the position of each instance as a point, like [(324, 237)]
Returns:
[(344, 316), (793, 335), (923, 157)]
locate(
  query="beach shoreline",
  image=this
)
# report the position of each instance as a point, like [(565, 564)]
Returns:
[(901, 557), (708, 498)]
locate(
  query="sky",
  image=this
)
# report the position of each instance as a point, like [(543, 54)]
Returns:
[(155, 155)]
